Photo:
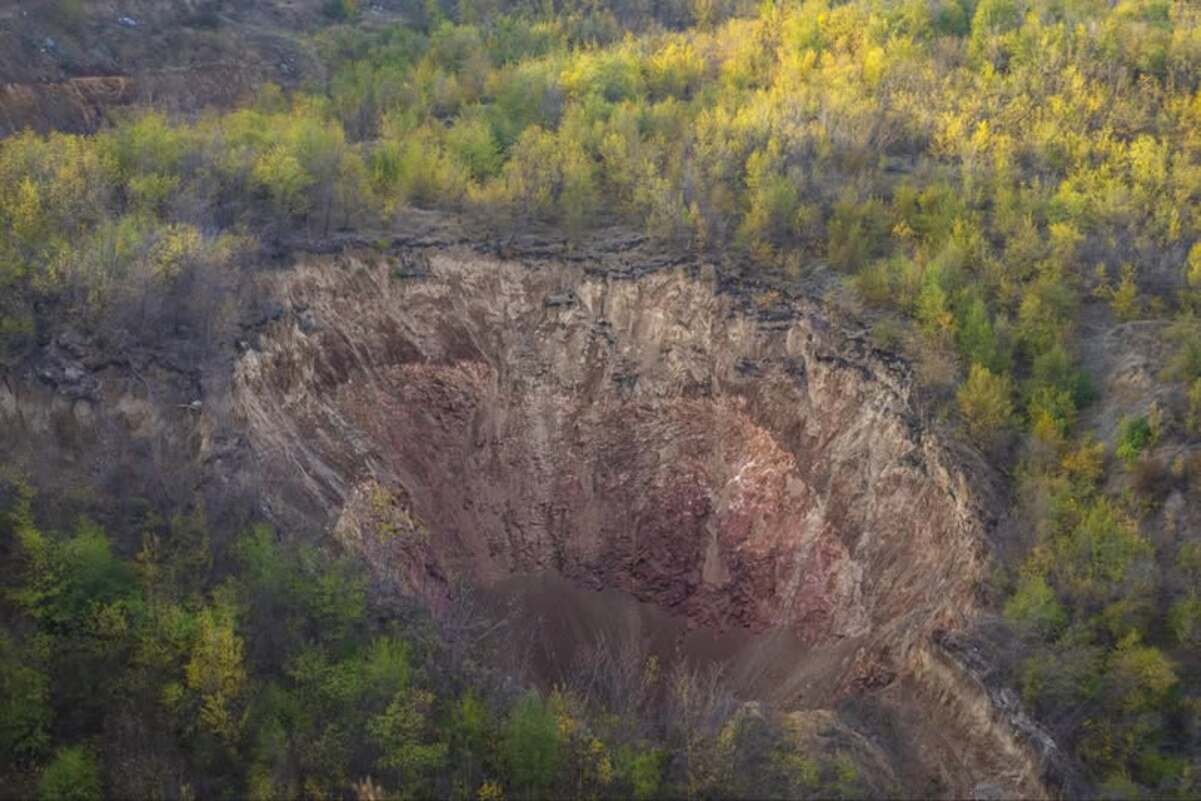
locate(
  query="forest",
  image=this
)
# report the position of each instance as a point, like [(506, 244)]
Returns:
[(982, 181)]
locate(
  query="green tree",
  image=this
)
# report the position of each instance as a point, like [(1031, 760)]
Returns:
[(73, 775), (1034, 604), (1134, 436), (469, 731), (281, 174), (642, 768), (341, 9), (1192, 274), (406, 741), (1184, 619), (67, 581), (985, 402), (977, 338), (1102, 552), (532, 746), (933, 310), (216, 672), (992, 19), (1141, 675), (470, 141), (25, 711), (1192, 419), (1123, 298)]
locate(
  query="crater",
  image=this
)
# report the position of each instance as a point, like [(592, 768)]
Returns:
[(724, 456)]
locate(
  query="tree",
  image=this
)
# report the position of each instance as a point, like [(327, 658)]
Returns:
[(1193, 268), (1123, 298), (469, 737), (1141, 675), (67, 581), (994, 17), (1184, 620), (1192, 420), (1100, 554), (532, 747), (698, 706), (470, 141), (279, 172), (73, 775), (402, 733), (985, 402), (340, 9), (773, 200), (978, 340), (933, 309), (642, 769), (25, 712), (1034, 605), (216, 673), (1134, 436)]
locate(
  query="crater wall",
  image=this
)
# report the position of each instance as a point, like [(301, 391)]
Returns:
[(726, 455)]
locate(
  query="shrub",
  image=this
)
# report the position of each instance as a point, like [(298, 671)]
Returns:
[(1184, 620), (74, 775), (1034, 605), (643, 771), (1193, 419), (1141, 675), (1193, 270), (1134, 436), (532, 749), (985, 402), (25, 712), (341, 9)]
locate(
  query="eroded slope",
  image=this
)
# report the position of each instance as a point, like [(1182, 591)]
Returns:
[(495, 418)]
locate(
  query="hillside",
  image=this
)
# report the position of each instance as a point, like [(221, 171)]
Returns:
[(842, 355)]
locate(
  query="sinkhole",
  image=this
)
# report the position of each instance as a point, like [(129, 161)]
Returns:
[(665, 453)]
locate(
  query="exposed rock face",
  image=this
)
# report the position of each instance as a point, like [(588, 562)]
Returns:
[(752, 475), (729, 457), (73, 105), (739, 466)]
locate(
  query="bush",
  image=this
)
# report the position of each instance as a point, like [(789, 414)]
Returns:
[(1193, 270), (25, 712), (1184, 620), (1034, 605), (532, 749), (1134, 436), (1102, 552), (74, 775), (642, 769), (1141, 675), (1193, 418), (985, 402), (341, 9)]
